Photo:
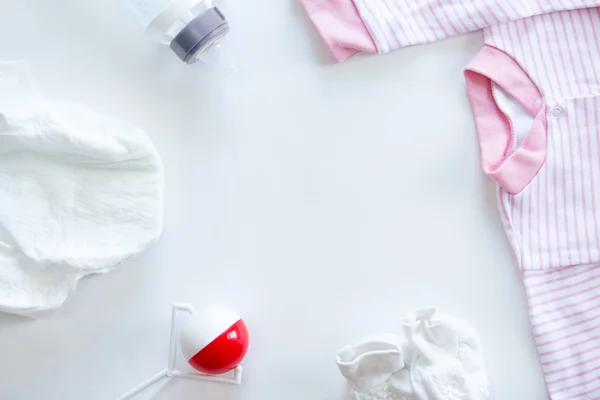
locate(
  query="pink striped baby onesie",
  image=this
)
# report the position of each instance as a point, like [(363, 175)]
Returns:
[(535, 92)]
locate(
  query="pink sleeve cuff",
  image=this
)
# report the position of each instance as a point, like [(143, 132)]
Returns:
[(340, 26)]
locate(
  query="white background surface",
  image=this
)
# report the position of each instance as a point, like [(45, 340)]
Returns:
[(322, 202)]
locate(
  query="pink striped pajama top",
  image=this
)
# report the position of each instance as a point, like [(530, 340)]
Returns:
[(535, 92)]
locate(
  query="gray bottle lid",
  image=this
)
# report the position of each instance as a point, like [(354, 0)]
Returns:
[(199, 34)]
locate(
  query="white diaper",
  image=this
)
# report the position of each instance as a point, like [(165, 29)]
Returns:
[(79, 193), (435, 357)]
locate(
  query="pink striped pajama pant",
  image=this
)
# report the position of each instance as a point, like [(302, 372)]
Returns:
[(564, 305)]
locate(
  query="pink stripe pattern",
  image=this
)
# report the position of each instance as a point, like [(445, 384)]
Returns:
[(557, 225), (567, 333), (441, 19)]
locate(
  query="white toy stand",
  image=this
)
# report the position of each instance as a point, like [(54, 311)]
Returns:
[(171, 372)]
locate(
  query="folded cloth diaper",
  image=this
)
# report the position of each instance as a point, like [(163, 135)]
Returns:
[(434, 357), (79, 193)]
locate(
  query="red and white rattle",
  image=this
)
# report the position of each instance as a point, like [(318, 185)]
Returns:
[(214, 341)]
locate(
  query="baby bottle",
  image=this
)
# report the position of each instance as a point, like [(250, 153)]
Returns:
[(193, 29)]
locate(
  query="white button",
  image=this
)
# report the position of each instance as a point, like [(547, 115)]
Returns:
[(557, 112)]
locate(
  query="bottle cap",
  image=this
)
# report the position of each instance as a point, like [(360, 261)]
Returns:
[(199, 35)]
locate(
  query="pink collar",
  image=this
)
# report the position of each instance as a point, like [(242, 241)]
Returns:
[(512, 170)]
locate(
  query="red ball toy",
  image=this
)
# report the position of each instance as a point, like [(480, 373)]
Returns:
[(214, 340)]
